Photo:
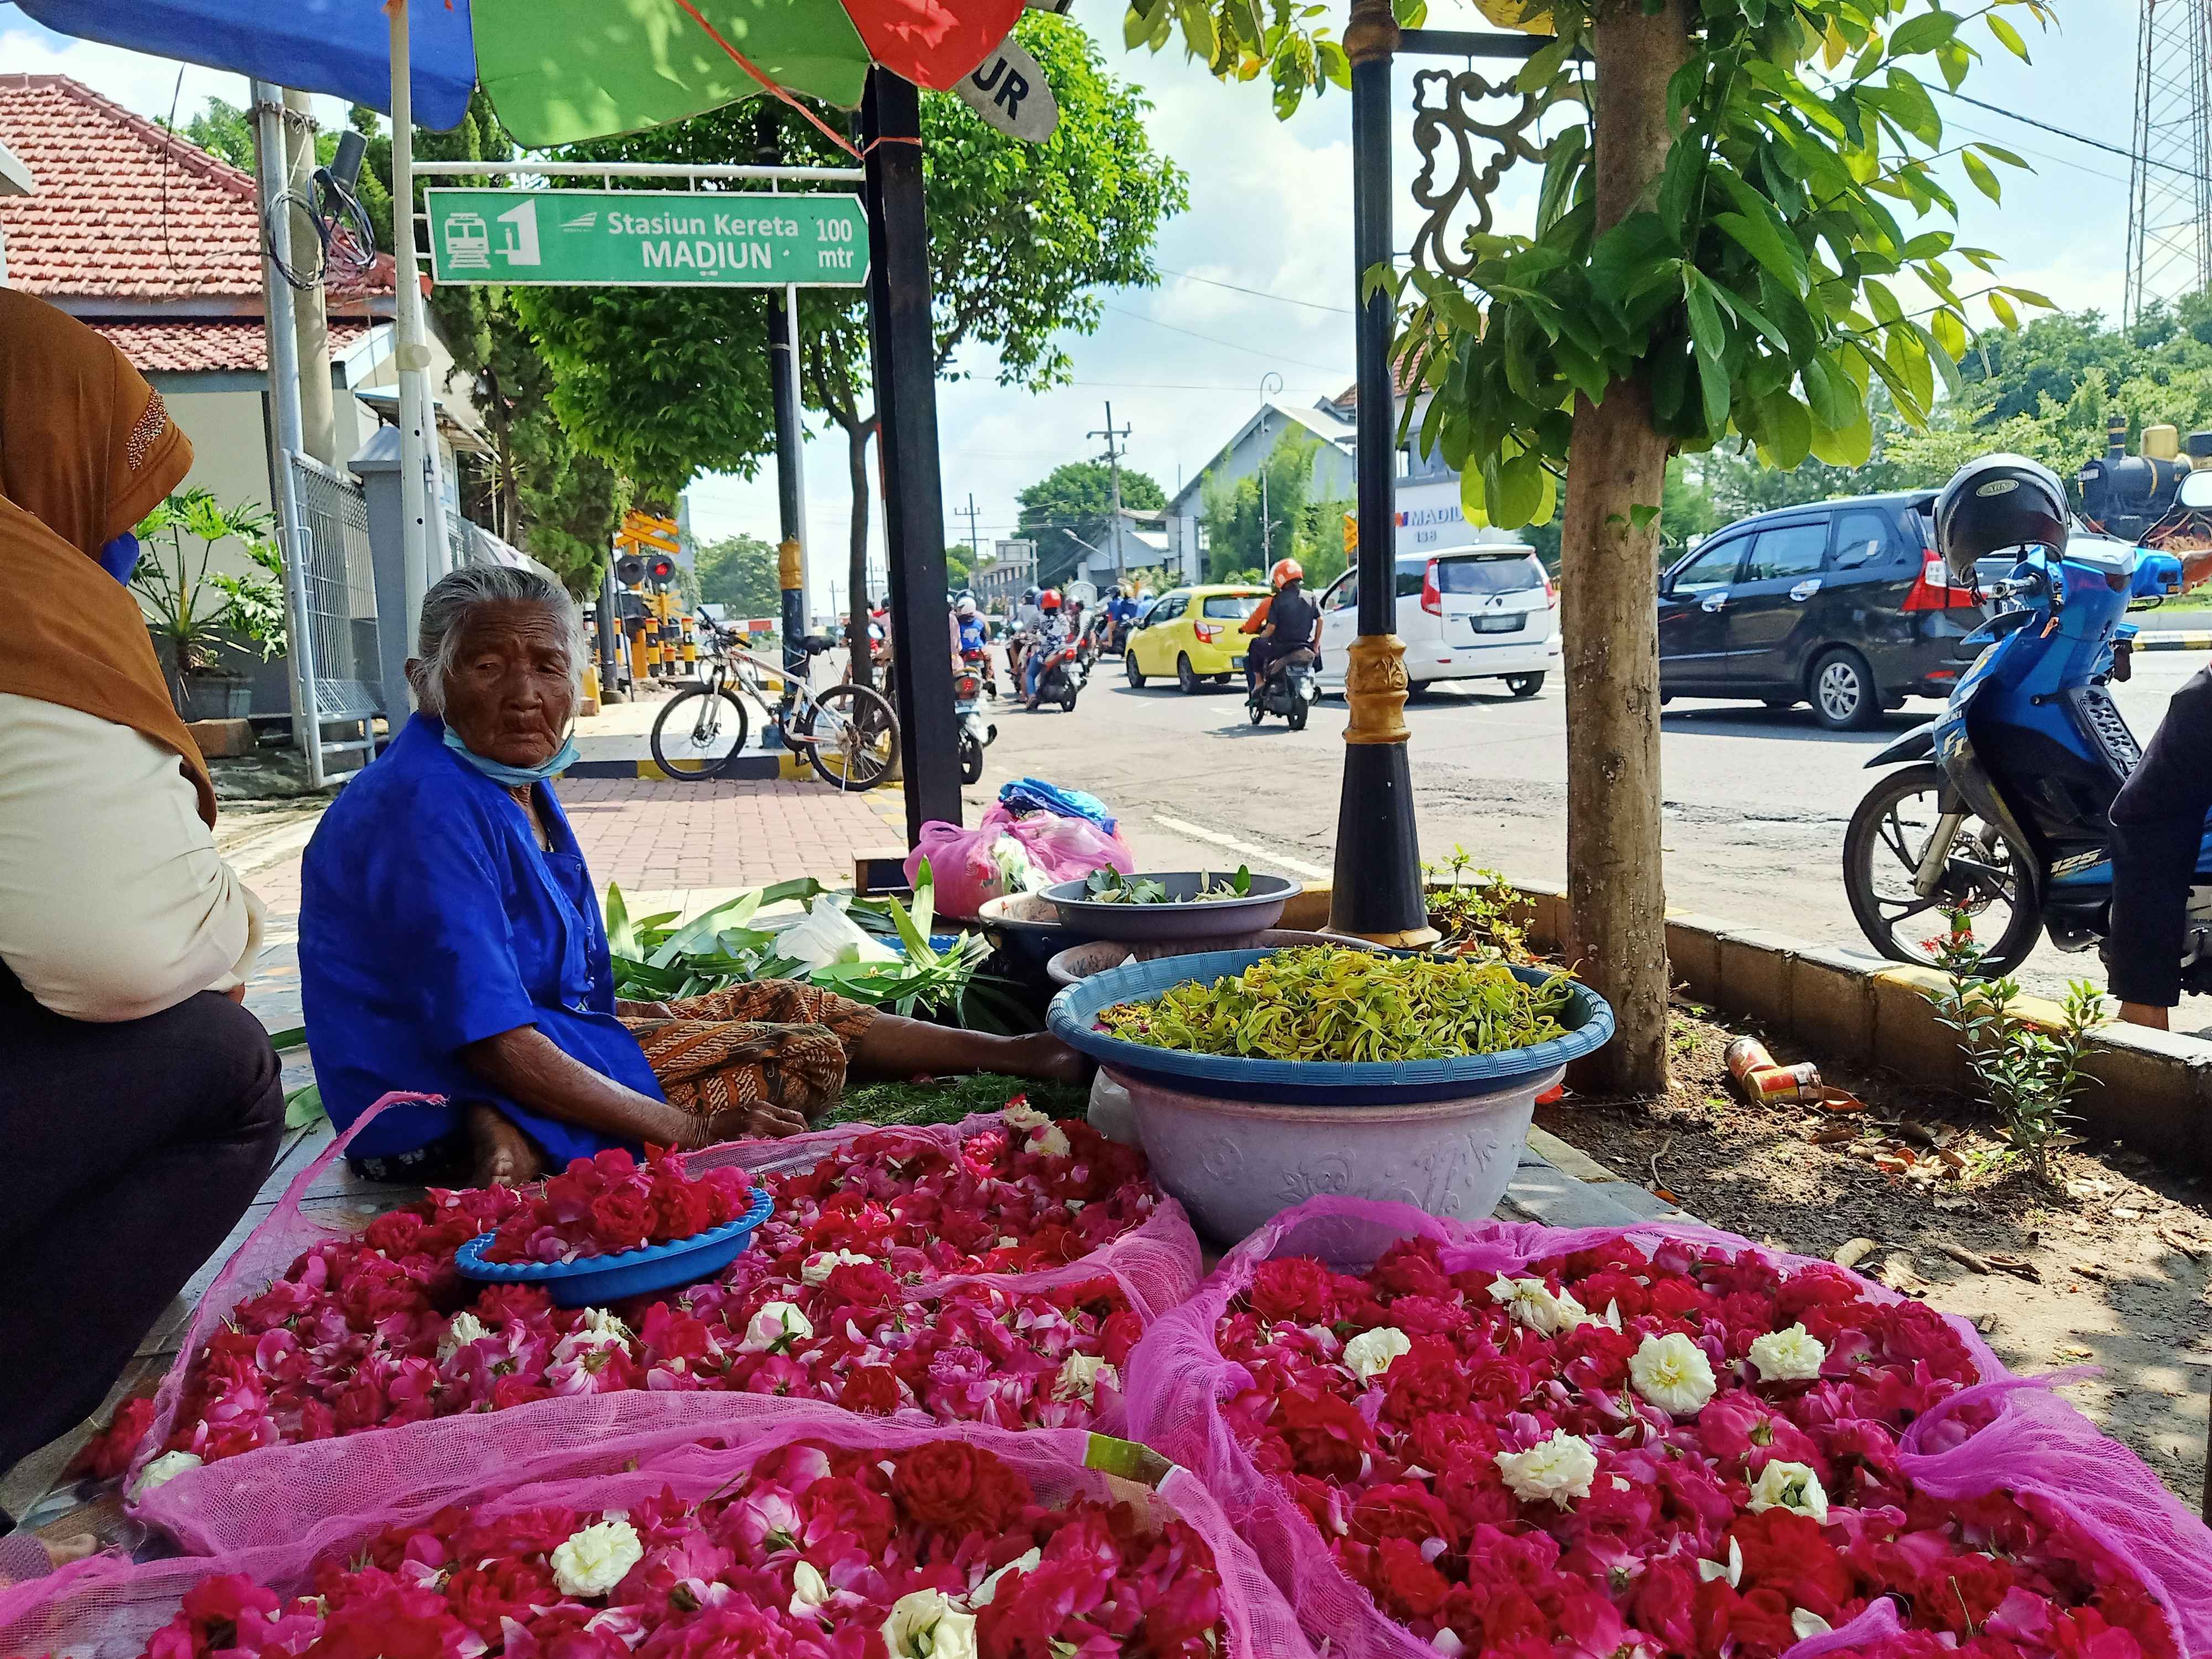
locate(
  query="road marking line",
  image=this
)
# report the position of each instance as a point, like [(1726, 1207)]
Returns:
[(1312, 872)]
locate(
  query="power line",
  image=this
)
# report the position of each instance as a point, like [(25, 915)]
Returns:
[(2078, 137), (1215, 339), (1259, 293)]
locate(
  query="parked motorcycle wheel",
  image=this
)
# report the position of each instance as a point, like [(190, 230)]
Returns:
[(1253, 706), (971, 761), (1987, 875), (1298, 714), (1067, 703)]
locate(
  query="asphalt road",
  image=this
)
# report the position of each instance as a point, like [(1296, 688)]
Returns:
[(1756, 801)]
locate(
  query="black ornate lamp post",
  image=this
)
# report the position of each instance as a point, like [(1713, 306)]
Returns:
[(1377, 890)]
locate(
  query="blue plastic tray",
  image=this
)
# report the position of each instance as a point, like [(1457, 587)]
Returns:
[(1074, 1019), (596, 1281)]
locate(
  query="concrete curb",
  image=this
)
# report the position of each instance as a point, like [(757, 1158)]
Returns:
[(755, 768), (2168, 640), (1849, 1006)]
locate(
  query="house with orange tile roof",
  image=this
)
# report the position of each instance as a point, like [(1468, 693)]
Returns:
[(157, 245)]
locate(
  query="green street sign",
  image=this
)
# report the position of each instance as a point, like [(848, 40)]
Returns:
[(600, 238)]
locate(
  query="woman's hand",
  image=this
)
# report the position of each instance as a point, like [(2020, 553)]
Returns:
[(762, 1122), (625, 1009)]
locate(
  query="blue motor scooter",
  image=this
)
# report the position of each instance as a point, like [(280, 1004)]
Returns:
[(2001, 812)]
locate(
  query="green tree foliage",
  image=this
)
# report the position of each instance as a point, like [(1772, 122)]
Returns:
[(1065, 512), (740, 572), (959, 565), (668, 381), (224, 129), (1298, 527), (543, 490)]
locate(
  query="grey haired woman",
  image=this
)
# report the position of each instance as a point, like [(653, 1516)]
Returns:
[(451, 943)]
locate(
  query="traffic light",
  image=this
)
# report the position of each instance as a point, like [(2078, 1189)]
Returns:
[(629, 570), (660, 569), (1350, 533)]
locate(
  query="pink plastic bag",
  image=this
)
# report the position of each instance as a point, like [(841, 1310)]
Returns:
[(2037, 1446), (967, 876), (287, 1491), (108, 1609)]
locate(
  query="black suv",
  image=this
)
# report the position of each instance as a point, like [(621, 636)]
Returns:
[(1844, 603)]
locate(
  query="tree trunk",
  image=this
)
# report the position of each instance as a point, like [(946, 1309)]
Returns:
[(856, 634), (1609, 597)]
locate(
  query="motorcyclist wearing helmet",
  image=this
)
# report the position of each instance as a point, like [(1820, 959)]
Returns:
[(1052, 633), (1283, 622)]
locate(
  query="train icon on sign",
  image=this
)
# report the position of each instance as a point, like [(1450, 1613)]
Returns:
[(468, 243)]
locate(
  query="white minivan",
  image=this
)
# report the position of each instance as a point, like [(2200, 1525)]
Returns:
[(1473, 613)]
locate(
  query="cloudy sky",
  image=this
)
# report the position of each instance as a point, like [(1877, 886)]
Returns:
[(1271, 211)]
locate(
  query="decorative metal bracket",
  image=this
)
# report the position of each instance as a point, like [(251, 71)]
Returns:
[(1446, 125)]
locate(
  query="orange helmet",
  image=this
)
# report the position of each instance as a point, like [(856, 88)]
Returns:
[(1285, 570), (1049, 600)]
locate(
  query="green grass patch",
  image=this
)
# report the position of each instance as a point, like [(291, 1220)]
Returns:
[(947, 1099)]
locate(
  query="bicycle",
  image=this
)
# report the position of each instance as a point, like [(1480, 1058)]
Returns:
[(848, 734)]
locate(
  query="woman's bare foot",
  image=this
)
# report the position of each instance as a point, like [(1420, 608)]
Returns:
[(1046, 1057), (504, 1156), (2143, 1014)]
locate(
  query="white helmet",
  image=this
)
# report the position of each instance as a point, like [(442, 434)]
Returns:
[(966, 607)]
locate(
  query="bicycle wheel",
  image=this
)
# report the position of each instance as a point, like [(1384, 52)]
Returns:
[(698, 733), (850, 736)]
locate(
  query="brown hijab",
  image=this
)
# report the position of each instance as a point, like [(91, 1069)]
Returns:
[(85, 450)]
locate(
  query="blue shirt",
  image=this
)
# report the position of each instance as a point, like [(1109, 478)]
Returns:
[(430, 919)]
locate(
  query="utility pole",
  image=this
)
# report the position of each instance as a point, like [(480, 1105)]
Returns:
[(1114, 465), (974, 542)]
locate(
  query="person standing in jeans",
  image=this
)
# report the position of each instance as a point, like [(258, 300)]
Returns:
[(140, 1103)]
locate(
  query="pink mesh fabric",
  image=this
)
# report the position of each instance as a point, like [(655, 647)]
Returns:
[(285, 1492), (104, 1609), (2038, 1446)]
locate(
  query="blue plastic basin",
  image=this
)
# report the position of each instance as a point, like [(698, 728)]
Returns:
[(596, 1281), (1074, 1014)]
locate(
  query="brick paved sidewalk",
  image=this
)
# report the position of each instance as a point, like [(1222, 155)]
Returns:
[(653, 835)]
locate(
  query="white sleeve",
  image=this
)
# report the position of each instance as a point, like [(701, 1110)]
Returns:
[(114, 904)]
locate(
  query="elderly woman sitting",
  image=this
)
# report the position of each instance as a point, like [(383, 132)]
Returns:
[(451, 943)]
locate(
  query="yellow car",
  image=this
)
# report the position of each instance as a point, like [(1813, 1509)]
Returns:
[(1192, 634)]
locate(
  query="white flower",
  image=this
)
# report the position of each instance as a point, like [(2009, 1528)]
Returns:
[(988, 1592), (1532, 1302), (777, 1324), (1786, 1485), (925, 1625), (1559, 1469), (1446, 1642), (1370, 1353), (1792, 1355), (162, 1470), (465, 1329), (1672, 1373), (1024, 1120), (1732, 1569), (1079, 1377), (810, 1590), (594, 1561), (817, 1267), (598, 1328), (1807, 1624)]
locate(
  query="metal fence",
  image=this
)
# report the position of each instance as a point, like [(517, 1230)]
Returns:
[(469, 543), (335, 599)]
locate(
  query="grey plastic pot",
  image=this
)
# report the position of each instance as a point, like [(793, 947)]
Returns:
[(1235, 1163), (1185, 916)]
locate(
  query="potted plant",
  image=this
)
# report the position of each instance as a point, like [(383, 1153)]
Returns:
[(194, 612)]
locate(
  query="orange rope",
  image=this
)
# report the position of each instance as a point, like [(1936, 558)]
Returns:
[(746, 64)]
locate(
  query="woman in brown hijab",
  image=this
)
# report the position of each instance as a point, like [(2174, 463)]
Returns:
[(139, 1101)]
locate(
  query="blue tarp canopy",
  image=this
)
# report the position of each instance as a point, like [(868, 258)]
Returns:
[(342, 47)]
